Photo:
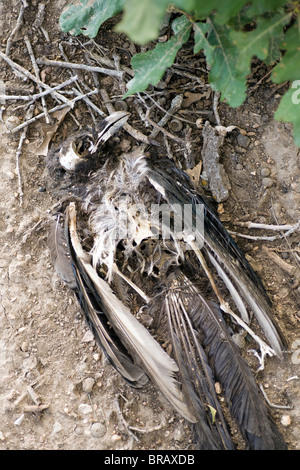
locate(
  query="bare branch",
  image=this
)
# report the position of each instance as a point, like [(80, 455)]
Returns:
[(89, 68), (17, 26), (57, 108), (39, 95), (27, 74)]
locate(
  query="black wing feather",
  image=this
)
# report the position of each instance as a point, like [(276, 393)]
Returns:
[(205, 353), (71, 271), (219, 246)]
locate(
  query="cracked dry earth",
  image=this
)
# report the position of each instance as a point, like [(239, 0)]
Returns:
[(47, 355)]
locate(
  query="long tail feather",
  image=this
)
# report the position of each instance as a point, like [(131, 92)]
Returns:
[(196, 377), (204, 320), (139, 343), (71, 272)]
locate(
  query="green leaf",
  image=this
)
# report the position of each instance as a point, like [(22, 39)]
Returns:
[(289, 109), (259, 7), (201, 42), (199, 8), (227, 10), (288, 68), (142, 19), (86, 16), (256, 42), (222, 60), (150, 66), (213, 412), (274, 53), (202, 8), (221, 56), (189, 5)]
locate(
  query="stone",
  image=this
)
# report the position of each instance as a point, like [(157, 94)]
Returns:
[(267, 182), (286, 420), (88, 384), (98, 430), (57, 427), (265, 172), (243, 140), (84, 409)]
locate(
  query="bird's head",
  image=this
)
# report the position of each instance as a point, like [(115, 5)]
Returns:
[(79, 150)]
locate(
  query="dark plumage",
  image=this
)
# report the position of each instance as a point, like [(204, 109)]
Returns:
[(145, 283)]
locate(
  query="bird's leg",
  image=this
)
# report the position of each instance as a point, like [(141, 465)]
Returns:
[(264, 347)]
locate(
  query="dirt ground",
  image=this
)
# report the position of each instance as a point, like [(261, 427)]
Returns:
[(47, 355)]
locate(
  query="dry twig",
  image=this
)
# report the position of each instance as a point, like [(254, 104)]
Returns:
[(280, 262), (215, 107), (18, 155), (37, 74), (35, 408), (40, 16), (273, 405), (27, 74), (57, 108), (290, 230), (17, 26), (145, 431), (123, 421), (88, 68), (267, 226), (41, 94), (90, 103)]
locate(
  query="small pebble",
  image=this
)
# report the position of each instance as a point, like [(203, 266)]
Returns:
[(24, 346), (283, 292), (79, 431), (179, 434), (88, 337), (84, 409), (98, 430), (286, 420), (163, 38), (265, 172), (42, 189), (243, 140), (199, 123), (88, 384), (267, 182), (57, 427), (10, 175)]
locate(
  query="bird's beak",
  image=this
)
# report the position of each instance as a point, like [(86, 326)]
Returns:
[(108, 127)]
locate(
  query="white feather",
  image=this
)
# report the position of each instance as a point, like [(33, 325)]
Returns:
[(233, 291), (155, 361)]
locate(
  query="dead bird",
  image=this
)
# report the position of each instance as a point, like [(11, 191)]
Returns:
[(159, 278)]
